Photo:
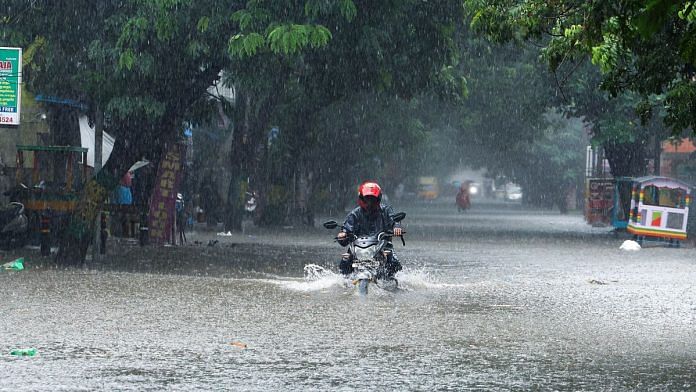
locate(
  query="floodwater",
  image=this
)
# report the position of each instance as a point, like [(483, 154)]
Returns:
[(498, 298)]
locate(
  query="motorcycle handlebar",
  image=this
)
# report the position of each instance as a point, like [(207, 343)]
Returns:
[(351, 237)]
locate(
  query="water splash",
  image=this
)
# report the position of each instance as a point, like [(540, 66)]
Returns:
[(316, 278), (420, 279)]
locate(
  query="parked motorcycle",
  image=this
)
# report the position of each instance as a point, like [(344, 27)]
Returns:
[(369, 255), (14, 226), (251, 203)]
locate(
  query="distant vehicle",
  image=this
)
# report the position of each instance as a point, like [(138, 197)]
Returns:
[(474, 189), (659, 209), (463, 199), (428, 188), (513, 192)]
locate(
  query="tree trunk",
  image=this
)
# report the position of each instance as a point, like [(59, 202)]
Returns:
[(626, 159), (75, 239), (234, 211), (249, 132)]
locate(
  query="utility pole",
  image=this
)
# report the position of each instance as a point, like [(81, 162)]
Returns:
[(98, 140), (657, 154)]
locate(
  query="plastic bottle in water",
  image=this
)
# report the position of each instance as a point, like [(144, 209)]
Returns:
[(24, 352)]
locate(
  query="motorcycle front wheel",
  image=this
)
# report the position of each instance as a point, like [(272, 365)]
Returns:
[(362, 286)]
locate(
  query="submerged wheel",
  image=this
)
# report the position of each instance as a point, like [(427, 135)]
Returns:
[(389, 285), (362, 286)]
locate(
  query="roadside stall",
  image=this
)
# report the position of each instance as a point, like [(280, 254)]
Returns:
[(659, 209)]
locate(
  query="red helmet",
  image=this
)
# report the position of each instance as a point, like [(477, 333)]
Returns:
[(368, 188)]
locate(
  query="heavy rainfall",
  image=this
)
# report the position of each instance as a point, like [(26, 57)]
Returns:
[(347, 195)]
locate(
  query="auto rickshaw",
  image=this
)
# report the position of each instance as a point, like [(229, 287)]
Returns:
[(48, 179), (428, 188), (659, 209)]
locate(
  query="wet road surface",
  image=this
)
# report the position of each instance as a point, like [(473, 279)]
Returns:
[(497, 298)]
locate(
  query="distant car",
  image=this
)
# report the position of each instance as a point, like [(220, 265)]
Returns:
[(428, 188), (513, 192)]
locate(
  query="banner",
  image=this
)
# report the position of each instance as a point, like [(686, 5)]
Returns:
[(10, 85), (87, 141), (169, 175)]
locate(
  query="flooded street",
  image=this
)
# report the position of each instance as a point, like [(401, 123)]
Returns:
[(496, 298)]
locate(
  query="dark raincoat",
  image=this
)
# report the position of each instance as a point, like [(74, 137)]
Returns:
[(362, 223)]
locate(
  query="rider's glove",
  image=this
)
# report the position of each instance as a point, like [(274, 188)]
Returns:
[(342, 238)]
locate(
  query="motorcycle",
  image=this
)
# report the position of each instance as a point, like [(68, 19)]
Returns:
[(14, 226), (251, 203), (369, 255), (463, 198)]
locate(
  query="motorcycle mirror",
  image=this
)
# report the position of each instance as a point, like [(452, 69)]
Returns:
[(399, 216), (331, 224)]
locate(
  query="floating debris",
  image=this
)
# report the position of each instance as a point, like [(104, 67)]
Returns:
[(630, 245), (238, 345), (16, 265), (24, 352)]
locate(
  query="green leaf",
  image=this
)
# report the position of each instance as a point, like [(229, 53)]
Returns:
[(688, 13), (165, 27), (243, 18), (245, 45), (348, 9), (127, 59), (288, 39), (203, 24), (319, 36), (134, 31), (654, 16)]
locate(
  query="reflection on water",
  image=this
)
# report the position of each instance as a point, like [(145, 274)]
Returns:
[(516, 315)]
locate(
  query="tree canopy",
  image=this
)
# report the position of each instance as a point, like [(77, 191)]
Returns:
[(647, 47)]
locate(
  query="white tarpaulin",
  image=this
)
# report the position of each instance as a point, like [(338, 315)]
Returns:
[(87, 141)]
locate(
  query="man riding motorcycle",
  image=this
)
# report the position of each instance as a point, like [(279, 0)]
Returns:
[(369, 218)]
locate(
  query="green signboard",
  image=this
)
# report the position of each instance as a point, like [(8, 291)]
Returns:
[(10, 85)]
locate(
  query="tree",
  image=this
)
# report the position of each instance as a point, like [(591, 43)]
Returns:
[(644, 46), (322, 54), (624, 41), (555, 161), (143, 67)]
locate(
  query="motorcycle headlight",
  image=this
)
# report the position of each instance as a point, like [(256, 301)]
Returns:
[(364, 253)]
